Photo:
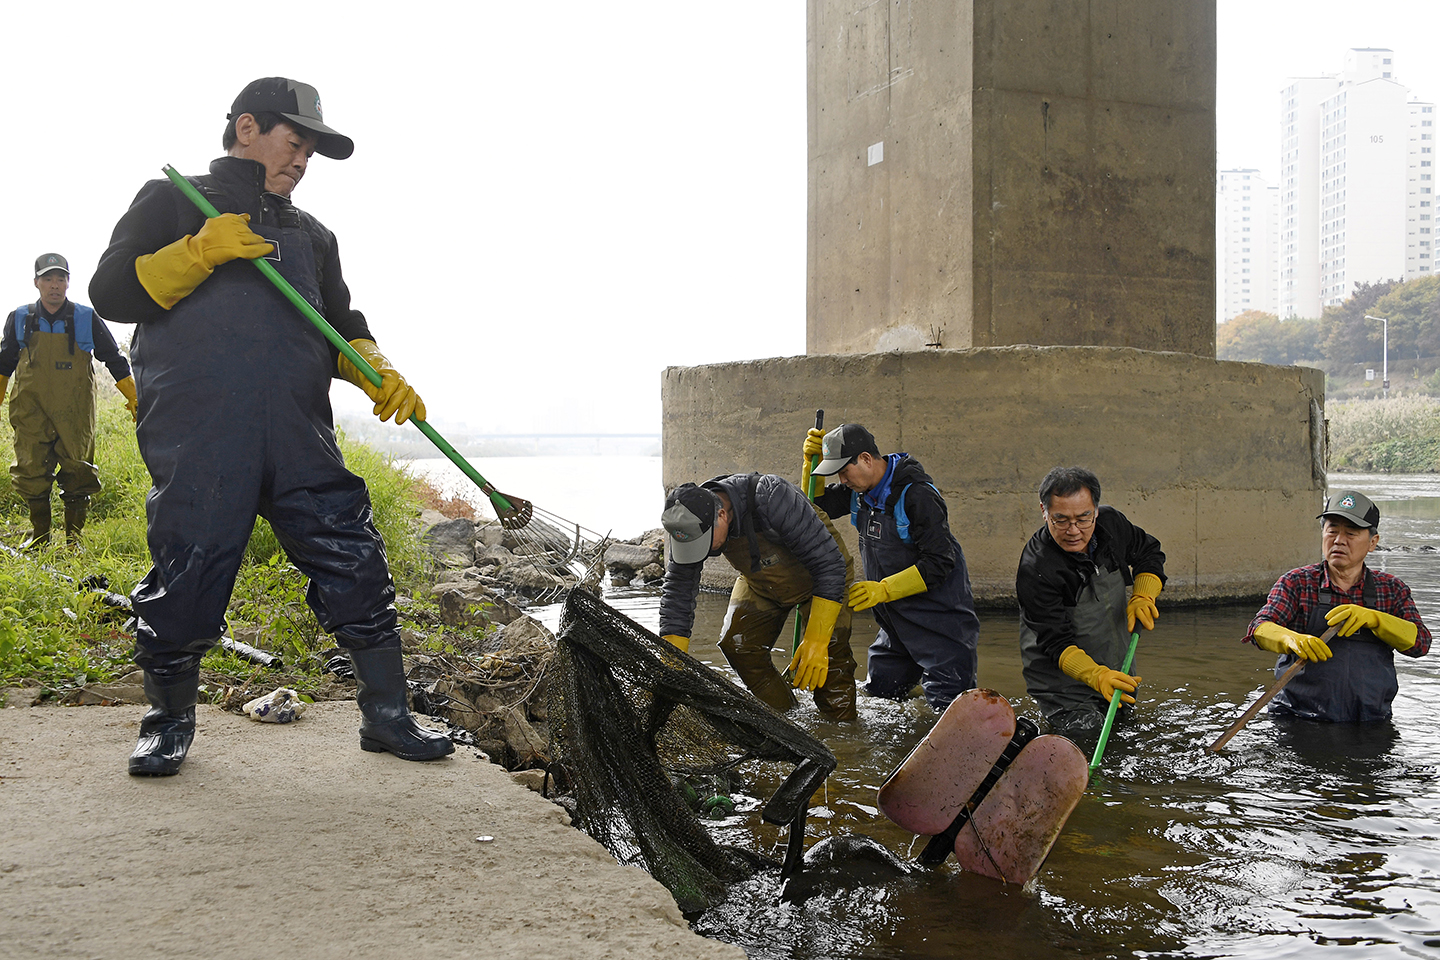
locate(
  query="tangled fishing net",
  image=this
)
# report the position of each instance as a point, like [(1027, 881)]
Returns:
[(636, 722)]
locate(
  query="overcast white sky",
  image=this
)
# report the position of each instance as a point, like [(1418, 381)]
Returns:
[(548, 203)]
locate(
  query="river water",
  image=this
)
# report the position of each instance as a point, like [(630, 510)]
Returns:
[(1299, 840)]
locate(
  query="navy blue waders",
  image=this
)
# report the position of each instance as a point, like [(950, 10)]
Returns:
[(235, 422), (1357, 682)]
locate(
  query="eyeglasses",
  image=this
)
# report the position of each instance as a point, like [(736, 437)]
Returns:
[(1083, 522)]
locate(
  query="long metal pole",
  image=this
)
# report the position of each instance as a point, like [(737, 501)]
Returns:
[(1384, 354), (349, 352)]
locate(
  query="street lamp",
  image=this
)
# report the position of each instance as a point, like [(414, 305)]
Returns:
[(1385, 348)]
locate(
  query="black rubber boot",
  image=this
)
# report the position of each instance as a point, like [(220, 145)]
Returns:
[(169, 725), (75, 511), (388, 726), (39, 523)]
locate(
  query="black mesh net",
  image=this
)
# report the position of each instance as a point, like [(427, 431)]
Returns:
[(634, 720)]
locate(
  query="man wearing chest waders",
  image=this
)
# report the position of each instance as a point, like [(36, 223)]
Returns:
[(916, 581), (1075, 617), (235, 421), (787, 554), (1353, 677), (46, 349)]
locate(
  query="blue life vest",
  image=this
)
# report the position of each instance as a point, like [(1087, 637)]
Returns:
[(81, 336), (902, 521)]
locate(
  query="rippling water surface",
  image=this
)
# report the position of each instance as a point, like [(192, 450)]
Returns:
[(1299, 840)]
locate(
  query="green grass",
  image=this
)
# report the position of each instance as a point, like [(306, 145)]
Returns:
[(56, 637), (1398, 435)]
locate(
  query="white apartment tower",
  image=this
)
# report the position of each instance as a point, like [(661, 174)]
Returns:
[(1300, 195), (1248, 216), (1420, 247), (1352, 194)]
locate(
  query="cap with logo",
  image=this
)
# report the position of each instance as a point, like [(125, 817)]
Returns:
[(688, 519), (1354, 506), (299, 104), (51, 261), (841, 446)]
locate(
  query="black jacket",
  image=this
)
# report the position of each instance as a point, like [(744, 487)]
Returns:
[(929, 518), (1050, 579), (782, 513), (160, 215)]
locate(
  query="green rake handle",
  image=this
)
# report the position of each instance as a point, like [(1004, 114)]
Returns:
[(501, 503), (810, 494), (1114, 707)]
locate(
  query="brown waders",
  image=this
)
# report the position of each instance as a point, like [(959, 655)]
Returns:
[(760, 608), (52, 410)]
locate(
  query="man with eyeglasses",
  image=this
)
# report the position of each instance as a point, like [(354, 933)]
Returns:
[(1075, 617), (916, 581), (1352, 678)]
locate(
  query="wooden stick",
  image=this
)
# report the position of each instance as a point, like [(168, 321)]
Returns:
[(1255, 707)]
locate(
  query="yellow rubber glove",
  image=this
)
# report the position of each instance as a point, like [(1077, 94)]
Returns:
[(172, 273), (680, 643), (864, 594), (1077, 664), (1398, 633), (1142, 602), (812, 449), (394, 395), (812, 658), (1277, 639), (4, 385), (127, 388)]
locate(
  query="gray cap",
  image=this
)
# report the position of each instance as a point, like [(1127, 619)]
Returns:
[(1352, 505), (688, 519), (841, 446), (299, 104), (51, 261)]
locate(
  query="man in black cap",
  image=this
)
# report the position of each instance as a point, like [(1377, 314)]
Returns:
[(46, 347), (1075, 616), (787, 554), (1353, 677), (235, 421), (916, 580)]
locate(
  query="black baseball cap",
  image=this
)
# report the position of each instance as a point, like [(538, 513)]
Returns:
[(688, 519), (1354, 506), (841, 446), (51, 261), (298, 103)]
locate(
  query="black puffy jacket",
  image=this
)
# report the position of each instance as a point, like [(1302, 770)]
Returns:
[(781, 512)]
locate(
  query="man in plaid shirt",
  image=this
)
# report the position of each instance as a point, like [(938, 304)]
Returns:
[(1351, 678)]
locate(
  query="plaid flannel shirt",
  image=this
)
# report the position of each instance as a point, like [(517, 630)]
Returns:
[(1298, 592)]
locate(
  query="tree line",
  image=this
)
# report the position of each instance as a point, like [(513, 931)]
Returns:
[(1342, 335)]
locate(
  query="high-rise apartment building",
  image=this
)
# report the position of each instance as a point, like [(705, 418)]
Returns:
[(1247, 216), (1356, 183), (1300, 194), (1420, 247)]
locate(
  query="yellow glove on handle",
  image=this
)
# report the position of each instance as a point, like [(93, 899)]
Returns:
[(1077, 664), (4, 385), (1395, 631), (680, 643), (172, 273), (1277, 639), (864, 594), (1142, 602), (127, 388), (394, 395), (812, 659), (812, 449)]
